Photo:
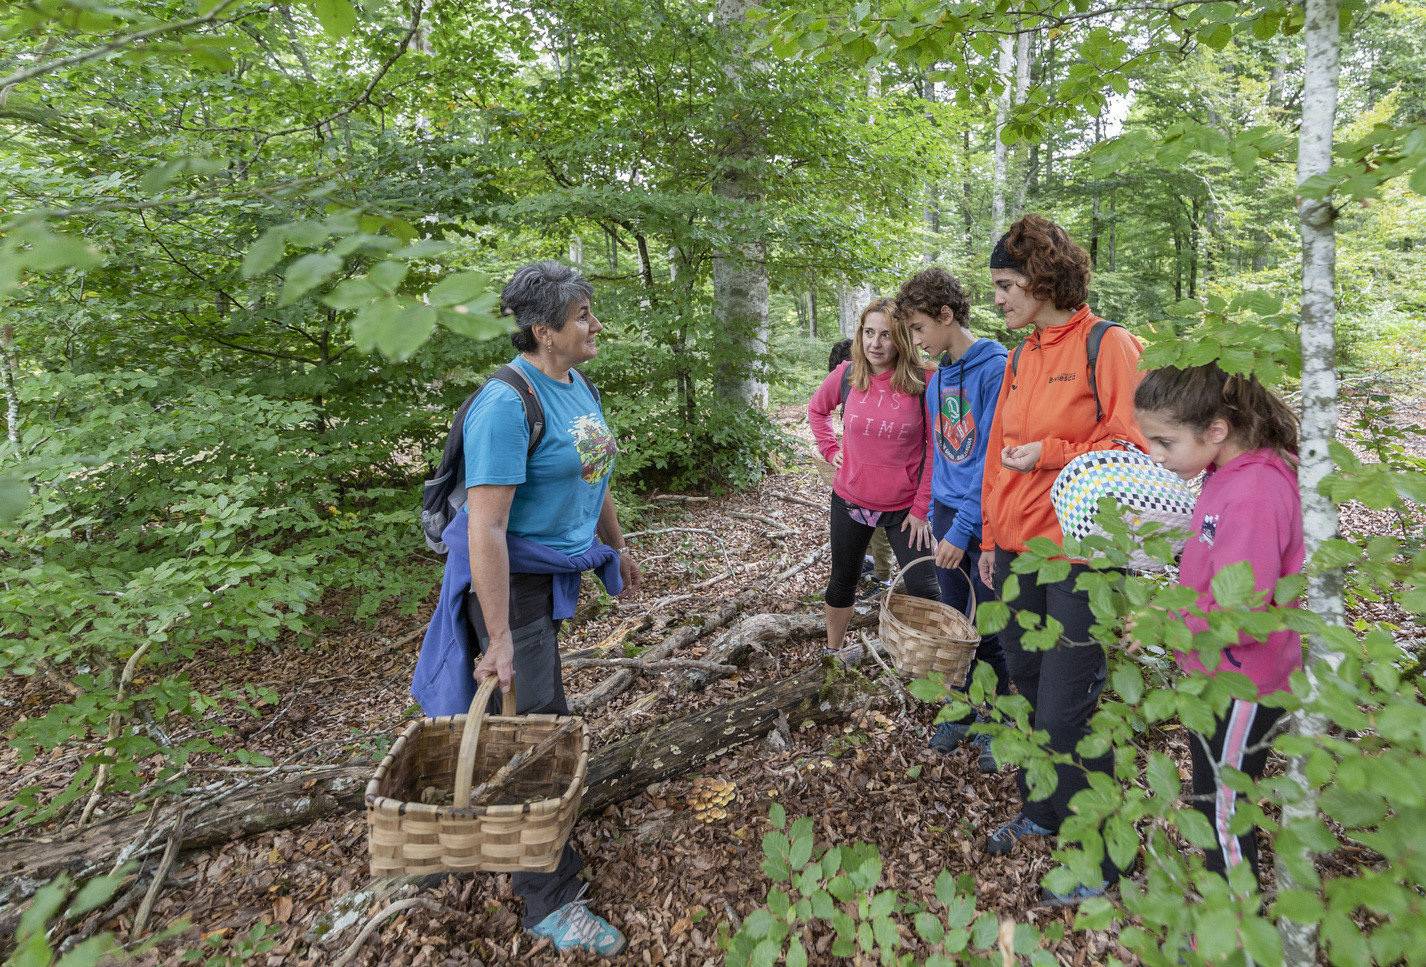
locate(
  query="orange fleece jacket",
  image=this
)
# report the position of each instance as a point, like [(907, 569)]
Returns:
[(1049, 400)]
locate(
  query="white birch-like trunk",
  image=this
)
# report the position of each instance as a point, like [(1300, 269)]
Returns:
[(1022, 87), (12, 393), (933, 200), (1319, 407), (1002, 114), (740, 286), (576, 251)]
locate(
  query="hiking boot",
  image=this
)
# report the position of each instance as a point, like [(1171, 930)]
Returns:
[(574, 927), (1073, 898), (949, 735), (1003, 840), (986, 760)]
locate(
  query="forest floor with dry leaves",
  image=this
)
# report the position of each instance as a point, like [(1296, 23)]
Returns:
[(665, 877)]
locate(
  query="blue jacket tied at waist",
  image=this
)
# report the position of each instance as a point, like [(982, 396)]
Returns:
[(444, 682)]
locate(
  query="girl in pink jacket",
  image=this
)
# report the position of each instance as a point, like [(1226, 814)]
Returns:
[(1245, 438), (883, 459)]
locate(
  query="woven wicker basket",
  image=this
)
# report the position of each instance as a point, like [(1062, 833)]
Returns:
[(925, 636), (455, 752)]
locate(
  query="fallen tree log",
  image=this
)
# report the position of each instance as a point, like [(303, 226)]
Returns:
[(622, 769), (761, 632), (619, 682), (617, 771)]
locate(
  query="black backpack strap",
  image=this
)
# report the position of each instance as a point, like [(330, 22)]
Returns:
[(846, 384), (534, 412), (1015, 360), (594, 390), (1096, 336)]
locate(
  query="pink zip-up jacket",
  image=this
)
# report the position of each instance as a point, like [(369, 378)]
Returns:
[(885, 445), (1250, 510)]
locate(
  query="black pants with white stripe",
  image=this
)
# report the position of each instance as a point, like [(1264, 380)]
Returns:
[(1233, 744)]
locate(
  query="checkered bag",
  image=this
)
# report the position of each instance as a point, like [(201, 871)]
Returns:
[(1145, 491)]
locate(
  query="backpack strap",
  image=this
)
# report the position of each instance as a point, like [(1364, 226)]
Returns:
[(1015, 359), (534, 412), (1096, 336), (594, 390)]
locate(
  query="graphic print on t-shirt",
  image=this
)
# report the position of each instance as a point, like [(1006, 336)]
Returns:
[(955, 425), (595, 446)]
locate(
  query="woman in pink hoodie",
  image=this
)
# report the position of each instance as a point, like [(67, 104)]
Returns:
[(883, 459), (1250, 511)]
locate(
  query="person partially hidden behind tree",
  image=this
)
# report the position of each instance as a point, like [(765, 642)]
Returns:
[(878, 561), (882, 460), (529, 526)]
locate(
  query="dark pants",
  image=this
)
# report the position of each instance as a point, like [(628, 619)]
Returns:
[(849, 543), (539, 689), (1243, 728), (1061, 684), (957, 585)]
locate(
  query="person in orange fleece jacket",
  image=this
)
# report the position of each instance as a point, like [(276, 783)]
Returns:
[(1047, 415)]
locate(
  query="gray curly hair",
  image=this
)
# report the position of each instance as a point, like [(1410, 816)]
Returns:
[(540, 294)]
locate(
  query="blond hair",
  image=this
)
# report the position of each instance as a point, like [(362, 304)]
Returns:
[(906, 376)]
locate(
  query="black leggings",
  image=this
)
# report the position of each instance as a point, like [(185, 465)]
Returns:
[(849, 543), (1234, 744), (1062, 684)]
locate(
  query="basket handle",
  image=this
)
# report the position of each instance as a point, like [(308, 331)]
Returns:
[(885, 598), (475, 718)]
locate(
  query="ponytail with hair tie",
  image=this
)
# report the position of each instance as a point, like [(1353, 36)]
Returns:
[(1198, 395)]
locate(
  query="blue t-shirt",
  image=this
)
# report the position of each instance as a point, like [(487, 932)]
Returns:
[(561, 488)]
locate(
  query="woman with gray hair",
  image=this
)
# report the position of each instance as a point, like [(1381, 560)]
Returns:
[(538, 514)]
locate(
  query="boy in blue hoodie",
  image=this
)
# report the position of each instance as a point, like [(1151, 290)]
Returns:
[(960, 402)]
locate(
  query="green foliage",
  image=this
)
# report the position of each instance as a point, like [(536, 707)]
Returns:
[(836, 889), (58, 902)]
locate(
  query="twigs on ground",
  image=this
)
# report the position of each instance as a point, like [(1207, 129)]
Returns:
[(793, 498), (775, 528), (640, 664), (377, 919), (618, 682), (170, 853), (102, 776), (671, 530), (801, 565)]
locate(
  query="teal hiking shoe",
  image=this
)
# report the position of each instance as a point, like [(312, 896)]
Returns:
[(573, 927)]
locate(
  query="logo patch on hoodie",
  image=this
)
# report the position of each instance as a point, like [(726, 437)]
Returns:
[(955, 426), (1209, 531)]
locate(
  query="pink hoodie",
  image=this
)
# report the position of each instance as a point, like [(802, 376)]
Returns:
[(886, 452), (1249, 510)]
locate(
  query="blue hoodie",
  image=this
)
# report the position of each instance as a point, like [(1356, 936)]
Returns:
[(960, 401)]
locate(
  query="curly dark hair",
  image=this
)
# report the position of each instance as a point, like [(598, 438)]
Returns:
[(930, 289), (1057, 268)]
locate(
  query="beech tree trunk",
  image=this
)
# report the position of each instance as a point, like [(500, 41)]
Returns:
[(1319, 420), (740, 286), (850, 303), (1022, 87), (933, 191), (1002, 114)]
